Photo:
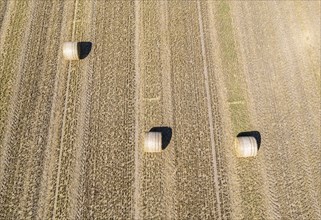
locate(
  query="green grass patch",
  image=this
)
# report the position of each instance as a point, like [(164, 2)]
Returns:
[(233, 75)]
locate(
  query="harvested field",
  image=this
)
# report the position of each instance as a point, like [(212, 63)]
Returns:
[(72, 132)]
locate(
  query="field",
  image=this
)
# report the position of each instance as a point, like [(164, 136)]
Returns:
[(72, 132)]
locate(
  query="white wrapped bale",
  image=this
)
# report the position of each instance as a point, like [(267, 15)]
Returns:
[(246, 146), (70, 51), (153, 142)]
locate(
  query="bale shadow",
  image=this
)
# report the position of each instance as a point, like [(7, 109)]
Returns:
[(84, 49), (166, 135), (255, 134)]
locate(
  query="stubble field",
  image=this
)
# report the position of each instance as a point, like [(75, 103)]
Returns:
[(71, 132)]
